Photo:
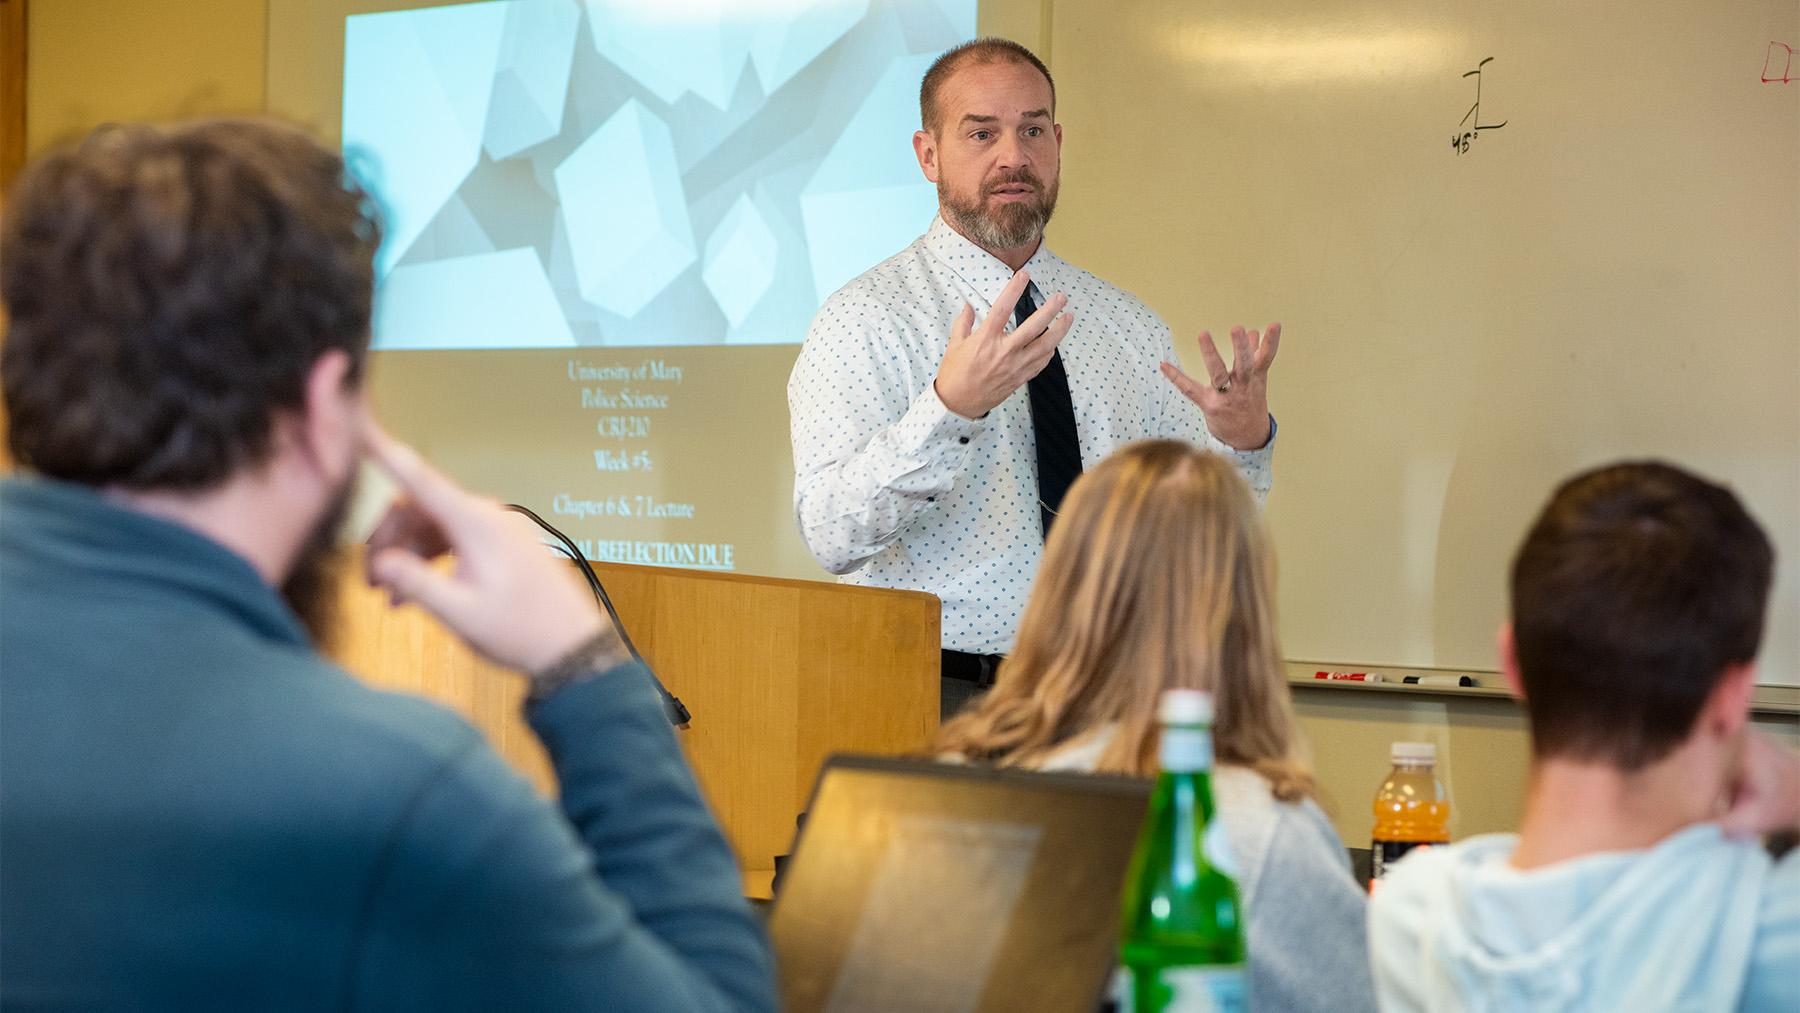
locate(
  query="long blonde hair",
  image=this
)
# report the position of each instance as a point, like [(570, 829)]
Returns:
[(1157, 575)]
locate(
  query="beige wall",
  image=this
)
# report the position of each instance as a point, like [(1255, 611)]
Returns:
[(92, 61), (12, 89)]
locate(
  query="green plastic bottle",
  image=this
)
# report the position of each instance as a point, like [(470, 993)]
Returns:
[(1183, 941)]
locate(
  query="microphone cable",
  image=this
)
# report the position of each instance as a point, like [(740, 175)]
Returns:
[(672, 706)]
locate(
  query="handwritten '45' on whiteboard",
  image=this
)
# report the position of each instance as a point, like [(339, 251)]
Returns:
[(1460, 141)]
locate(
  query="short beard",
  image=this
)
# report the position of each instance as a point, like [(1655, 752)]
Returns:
[(1011, 225), (312, 585)]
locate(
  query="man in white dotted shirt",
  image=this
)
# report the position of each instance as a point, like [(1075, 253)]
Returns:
[(945, 399)]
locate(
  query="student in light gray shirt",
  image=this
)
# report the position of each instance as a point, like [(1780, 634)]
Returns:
[(1636, 881)]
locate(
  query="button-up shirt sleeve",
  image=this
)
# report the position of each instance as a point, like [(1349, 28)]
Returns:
[(866, 461), (1181, 419)]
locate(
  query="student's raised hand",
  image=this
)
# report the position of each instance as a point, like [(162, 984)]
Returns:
[(1235, 400), (505, 597), (1765, 795), (985, 364)]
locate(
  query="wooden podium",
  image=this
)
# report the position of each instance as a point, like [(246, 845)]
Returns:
[(778, 674)]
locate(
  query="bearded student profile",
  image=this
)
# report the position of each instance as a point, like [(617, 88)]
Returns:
[(945, 399)]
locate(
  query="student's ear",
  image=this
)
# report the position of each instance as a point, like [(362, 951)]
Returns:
[(331, 427), (925, 147), (1728, 707), (1509, 661)]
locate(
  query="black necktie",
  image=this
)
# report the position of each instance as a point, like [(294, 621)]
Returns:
[(1052, 426)]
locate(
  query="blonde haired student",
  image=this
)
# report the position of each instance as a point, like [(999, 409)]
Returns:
[(1158, 574)]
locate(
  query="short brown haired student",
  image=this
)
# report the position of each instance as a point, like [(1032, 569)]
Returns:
[(1158, 575), (1638, 600), (1639, 591), (200, 811)]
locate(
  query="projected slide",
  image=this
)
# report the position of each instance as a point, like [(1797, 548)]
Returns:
[(558, 173)]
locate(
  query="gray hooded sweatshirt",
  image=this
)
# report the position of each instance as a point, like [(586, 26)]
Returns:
[(1697, 922)]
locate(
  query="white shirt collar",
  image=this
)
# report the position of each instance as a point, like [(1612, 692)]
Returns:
[(986, 273)]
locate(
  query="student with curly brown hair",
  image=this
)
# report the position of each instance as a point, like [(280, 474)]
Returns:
[(200, 811)]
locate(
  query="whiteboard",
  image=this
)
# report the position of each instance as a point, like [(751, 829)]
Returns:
[(1608, 268)]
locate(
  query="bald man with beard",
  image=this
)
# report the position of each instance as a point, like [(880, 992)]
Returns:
[(945, 400)]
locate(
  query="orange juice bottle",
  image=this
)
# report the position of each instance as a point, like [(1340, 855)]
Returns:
[(1412, 809)]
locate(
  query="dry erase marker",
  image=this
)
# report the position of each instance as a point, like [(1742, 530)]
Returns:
[(1438, 680), (1349, 676)]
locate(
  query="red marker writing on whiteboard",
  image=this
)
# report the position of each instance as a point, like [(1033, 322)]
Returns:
[(1349, 676)]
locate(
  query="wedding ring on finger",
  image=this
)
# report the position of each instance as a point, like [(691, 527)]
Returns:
[(1222, 386)]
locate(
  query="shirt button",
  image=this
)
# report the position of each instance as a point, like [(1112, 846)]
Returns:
[(962, 439), (931, 499)]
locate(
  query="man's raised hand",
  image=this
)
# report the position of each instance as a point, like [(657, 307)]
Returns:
[(506, 597), (1236, 400), (985, 364)]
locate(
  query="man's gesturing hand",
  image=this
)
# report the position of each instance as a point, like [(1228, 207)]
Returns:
[(507, 598), (1236, 401), (984, 365)]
